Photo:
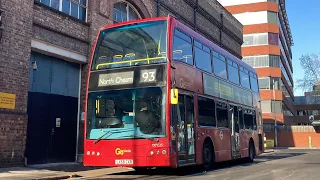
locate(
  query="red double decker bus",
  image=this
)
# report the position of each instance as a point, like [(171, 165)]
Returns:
[(161, 95)]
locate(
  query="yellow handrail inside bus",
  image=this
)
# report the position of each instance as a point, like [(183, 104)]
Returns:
[(177, 51), (118, 56), (130, 61), (130, 54), (159, 47), (103, 57)]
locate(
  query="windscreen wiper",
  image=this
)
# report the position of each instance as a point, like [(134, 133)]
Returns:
[(147, 137), (109, 133)]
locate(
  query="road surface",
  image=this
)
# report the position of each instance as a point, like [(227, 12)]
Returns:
[(279, 165)]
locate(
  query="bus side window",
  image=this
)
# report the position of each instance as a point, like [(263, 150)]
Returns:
[(222, 114), (241, 118), (189, 110), (254, 120), (248, 119)]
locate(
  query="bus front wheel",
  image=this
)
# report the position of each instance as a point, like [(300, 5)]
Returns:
[(208, 156)]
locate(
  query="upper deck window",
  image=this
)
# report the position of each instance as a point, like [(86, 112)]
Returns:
[(233, 71), (202, 57), (182, 48), (131, 45), (254, 82), (244, 76), (220, 66)]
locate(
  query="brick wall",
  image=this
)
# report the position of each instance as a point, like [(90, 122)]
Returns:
[(61, 30), (14, 61), (13, 139), (296, 136)]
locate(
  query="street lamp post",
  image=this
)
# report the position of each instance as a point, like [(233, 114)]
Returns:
[(275, 116)]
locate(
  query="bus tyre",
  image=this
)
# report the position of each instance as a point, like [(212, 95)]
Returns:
[(251, 152), (208, 156), (140, 169)]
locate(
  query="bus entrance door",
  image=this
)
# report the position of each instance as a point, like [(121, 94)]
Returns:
[(185, 123), (234, 130)]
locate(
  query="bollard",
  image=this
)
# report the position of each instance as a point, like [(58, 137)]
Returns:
[(310, 142)]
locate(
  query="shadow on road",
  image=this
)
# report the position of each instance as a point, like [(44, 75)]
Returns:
[(183, 171), (276, 156)]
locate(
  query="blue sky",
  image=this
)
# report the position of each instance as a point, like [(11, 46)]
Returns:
[(304, 19)]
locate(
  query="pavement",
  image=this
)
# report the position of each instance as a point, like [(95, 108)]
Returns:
[(278, 163), (56, 171)]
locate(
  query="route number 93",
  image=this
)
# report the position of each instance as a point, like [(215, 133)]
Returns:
[(148, 75)]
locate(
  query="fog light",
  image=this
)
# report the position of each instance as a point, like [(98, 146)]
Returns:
[(88, 153), (158, 152), (98, 154), (164, 152), (93, 153), (151, 152)]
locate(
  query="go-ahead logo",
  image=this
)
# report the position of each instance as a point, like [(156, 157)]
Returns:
[(119, 151)]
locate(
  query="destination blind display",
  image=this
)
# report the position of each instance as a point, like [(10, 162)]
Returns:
[(113, 79), (127, 78)]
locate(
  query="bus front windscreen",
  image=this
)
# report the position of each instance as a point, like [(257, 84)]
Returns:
[(126, 114), (131, 45)]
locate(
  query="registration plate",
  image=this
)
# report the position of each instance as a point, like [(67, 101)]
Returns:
[(124, 161)]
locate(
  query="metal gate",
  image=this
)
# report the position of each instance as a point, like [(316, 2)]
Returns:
[(52, 110)]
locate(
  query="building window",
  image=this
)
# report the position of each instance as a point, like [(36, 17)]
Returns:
[(272, 17), (273, 39), (124, 11), (74, 8), (255, 39), (264, 83), (260, 39), (262, 61), (268, 106)]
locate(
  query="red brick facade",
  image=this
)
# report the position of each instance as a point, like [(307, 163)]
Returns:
[(296, 139), (26, 21)]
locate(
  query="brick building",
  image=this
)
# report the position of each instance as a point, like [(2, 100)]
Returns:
[(44, 50), (267, 47), (308, 106)]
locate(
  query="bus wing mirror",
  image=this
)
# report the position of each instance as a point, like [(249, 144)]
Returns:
[(174, 96)]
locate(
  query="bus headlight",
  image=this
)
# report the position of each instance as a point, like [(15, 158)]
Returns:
[(88, 153), (151, 153)]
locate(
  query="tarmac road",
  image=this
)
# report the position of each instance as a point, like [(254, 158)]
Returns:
[(279, 165)]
